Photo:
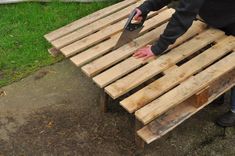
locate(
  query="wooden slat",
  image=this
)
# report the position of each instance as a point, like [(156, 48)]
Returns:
[(115, 56), (92, 39), (104, 47), (180, 113), (110, 30), (131, 63), (166, 122), (170, 70), (87, 20), (93, 27), (162, 85), (155, 67), (185, 90), (95, 52)]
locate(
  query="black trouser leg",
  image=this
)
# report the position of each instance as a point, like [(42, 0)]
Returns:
[(230, 29)]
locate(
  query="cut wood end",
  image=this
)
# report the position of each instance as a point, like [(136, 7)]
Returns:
[(56, 44), (77, 61), (54, 52), (65, 52), (74, 61), (84, 69), (47, 37), (125, 104), (98, 82), (109, 90), (141, 118), (146, 135)]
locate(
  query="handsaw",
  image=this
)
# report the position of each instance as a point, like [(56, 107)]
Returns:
[(131, 30)]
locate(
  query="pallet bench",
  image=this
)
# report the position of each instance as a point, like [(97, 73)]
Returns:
[(162, 92)]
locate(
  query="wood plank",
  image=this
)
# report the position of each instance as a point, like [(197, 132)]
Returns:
[(104, 47), (87, 20), (131, 63), (185, 90), (170, 70), (93, 27), (121, 53), (174, 117), (108, 31), (165, 83), (163, 62)]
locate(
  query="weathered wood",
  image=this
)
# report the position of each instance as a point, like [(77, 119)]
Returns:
[(155, 67), (93, 27), (167, 82), (185, 110), (123, 52), (132, 63), (107, 45), (108, 31), (87, 20), (185, 90)]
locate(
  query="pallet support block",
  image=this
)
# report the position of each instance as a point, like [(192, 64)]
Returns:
[(104, 101), (201, 97), (174, 117), (54, 52)]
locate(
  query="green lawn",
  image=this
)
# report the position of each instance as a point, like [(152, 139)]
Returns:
[(23, 49)]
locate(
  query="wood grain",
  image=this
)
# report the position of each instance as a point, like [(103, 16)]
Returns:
[(177, 76), (185, 90), (174, 117), (163, 62), (87, 20)]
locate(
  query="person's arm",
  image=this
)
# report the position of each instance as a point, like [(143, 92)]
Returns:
[(180, 22), (152, 5)]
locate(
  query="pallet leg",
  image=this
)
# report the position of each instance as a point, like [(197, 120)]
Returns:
[(202, 97), (54, 52), (140, 144), (104, 101)]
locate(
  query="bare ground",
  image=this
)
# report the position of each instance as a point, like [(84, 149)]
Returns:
[(56, 112)]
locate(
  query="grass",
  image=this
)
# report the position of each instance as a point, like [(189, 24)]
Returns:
[(23, 49)]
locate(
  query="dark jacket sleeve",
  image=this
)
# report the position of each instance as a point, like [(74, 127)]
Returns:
[(180, 22), (152, 5)]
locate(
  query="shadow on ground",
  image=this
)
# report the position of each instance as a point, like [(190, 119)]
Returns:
[(56, 112)]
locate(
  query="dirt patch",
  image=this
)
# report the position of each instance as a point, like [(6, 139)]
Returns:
[(40, 74), (68, 131), (58, 114)]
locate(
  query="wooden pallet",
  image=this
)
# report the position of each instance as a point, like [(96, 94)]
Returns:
[(162, 92)]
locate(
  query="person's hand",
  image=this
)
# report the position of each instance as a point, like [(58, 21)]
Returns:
[(144, 53), (138, 18)]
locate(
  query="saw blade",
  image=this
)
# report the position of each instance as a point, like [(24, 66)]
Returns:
[(127, 36), (131, 30)]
